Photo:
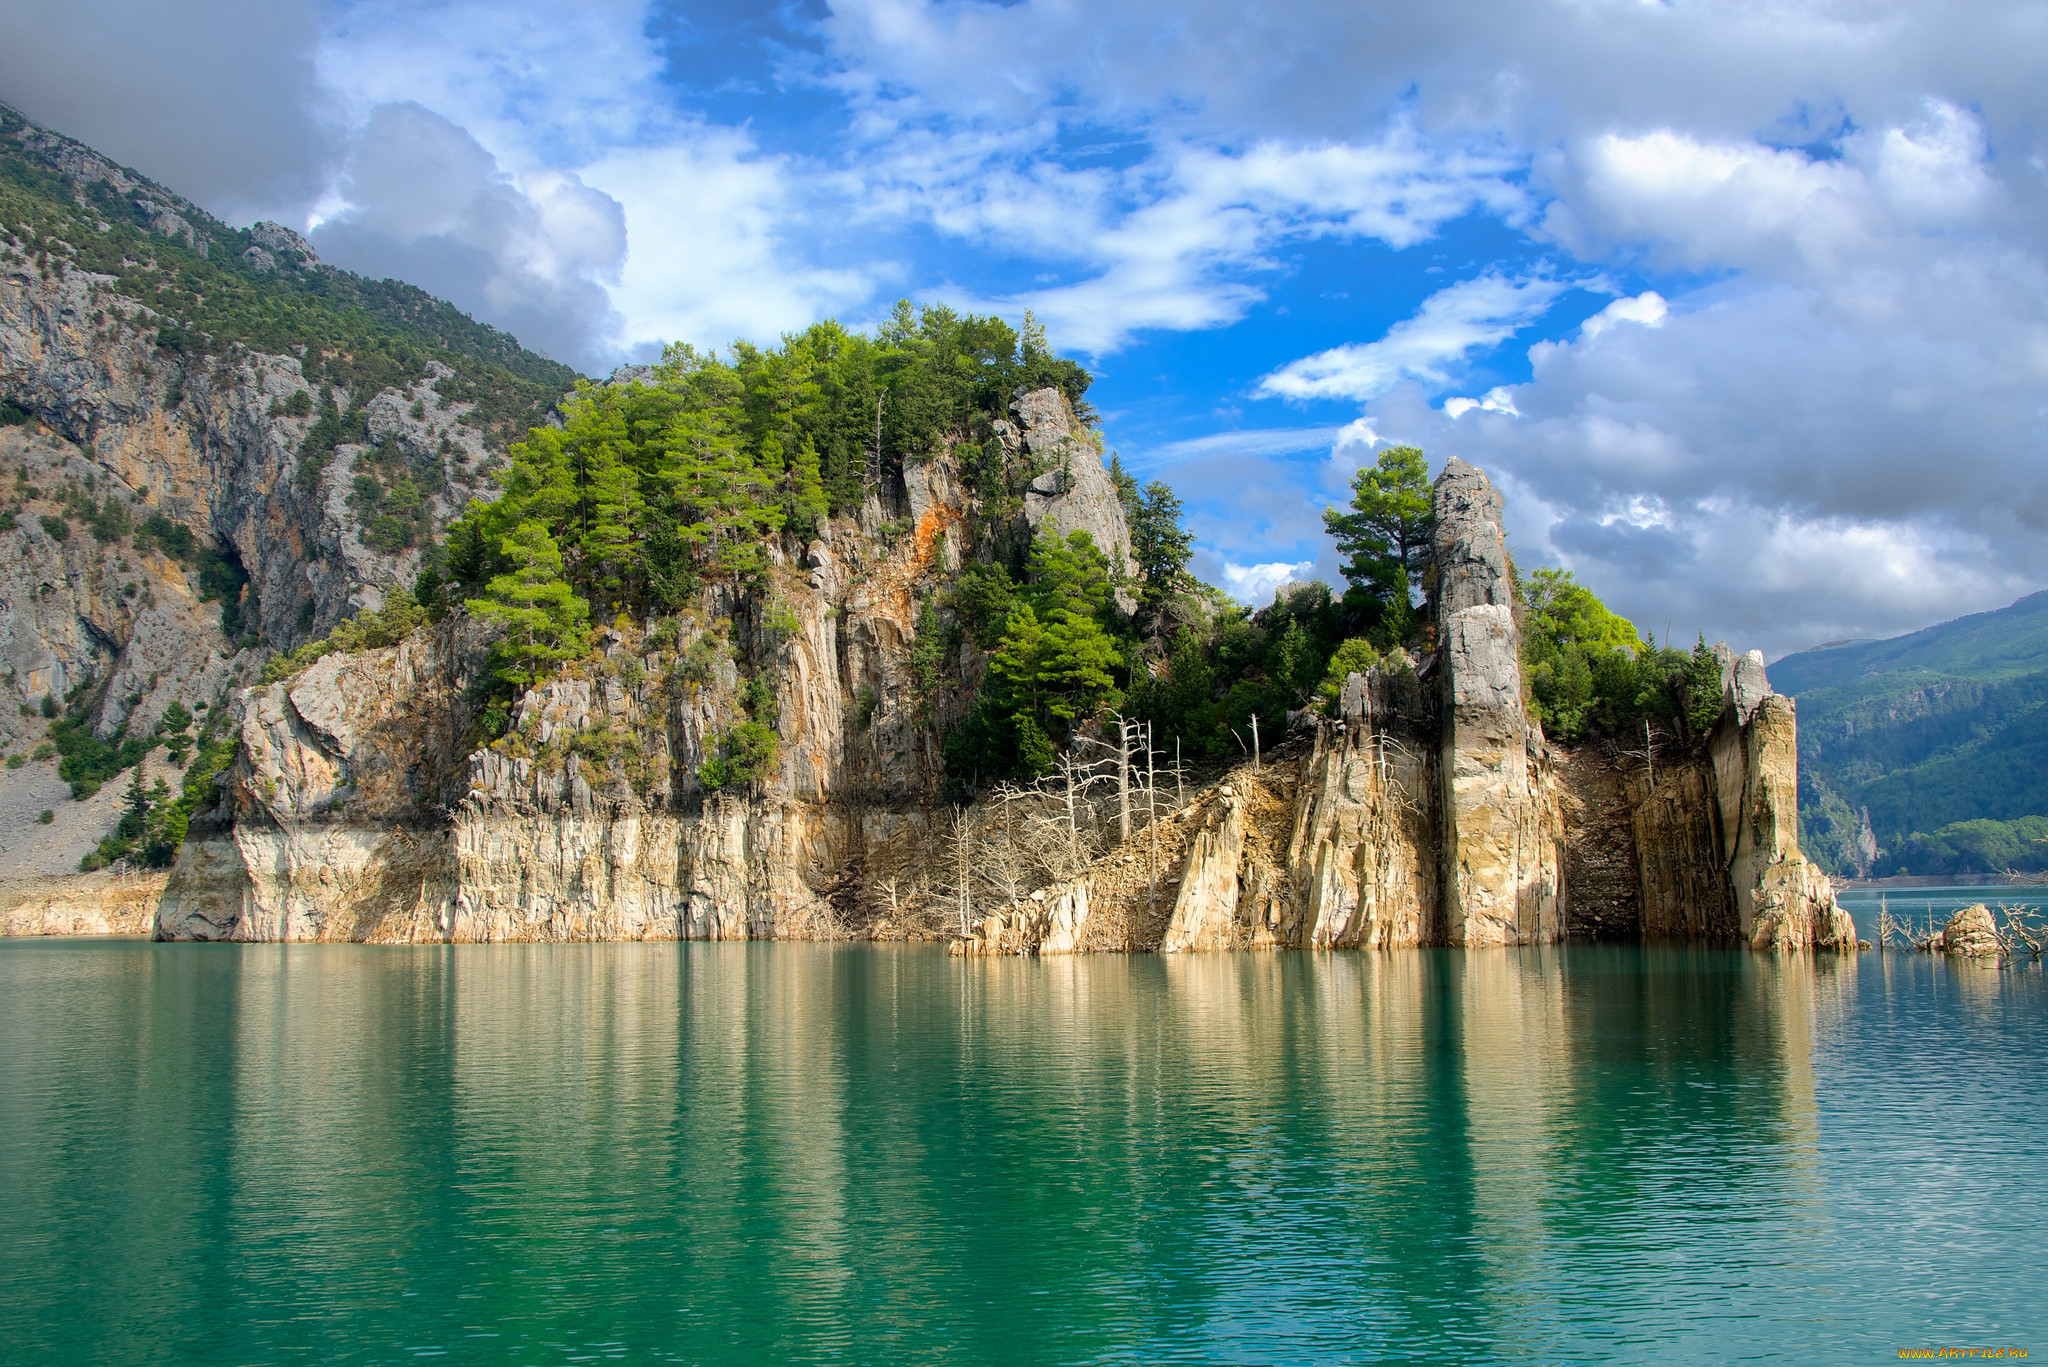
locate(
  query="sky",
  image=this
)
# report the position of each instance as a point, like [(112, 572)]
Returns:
[(1743, 303)]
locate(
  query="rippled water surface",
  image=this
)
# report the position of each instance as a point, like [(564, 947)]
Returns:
[(761, 1153)]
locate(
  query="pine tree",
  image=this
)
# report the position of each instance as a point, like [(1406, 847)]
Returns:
[(134, 809), (1160, 545), (1385, 537), (545, 622)]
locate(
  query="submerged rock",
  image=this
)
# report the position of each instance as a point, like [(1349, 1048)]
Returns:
[(1972, 933)]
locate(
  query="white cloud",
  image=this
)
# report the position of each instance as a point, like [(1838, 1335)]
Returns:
[(709, 222), (1647, 309), (1170, 243), (1494, 400), (1451, 325), (1254, 584), (1354, 445), (1269, 441), (422, 201)]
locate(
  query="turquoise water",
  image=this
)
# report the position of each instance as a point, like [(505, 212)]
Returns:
[(1934, 905), (765, 1153)]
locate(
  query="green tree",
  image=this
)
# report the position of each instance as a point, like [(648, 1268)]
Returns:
[(1384, 538), (134, 810), (1127, 491), (1354, 656), (1160, 545), (545, 622)]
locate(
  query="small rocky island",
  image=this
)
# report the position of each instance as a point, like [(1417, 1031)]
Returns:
[(330, 617), (1426, 808)]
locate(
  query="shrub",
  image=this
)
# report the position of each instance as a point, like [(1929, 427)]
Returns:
[(743, 755), (387, 626)]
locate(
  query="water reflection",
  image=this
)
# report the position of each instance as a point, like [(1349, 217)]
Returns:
[(787, 1152)]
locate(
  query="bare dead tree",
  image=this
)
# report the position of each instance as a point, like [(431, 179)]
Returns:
[(1004, 864), (1648, 754), (1151, 824), (1123, 779), (963, 862)]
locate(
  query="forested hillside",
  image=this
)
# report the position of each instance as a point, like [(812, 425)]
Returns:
[(1941, 736)]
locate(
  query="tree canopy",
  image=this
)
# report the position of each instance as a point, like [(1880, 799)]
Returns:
[(1384, 538), (651, 487)]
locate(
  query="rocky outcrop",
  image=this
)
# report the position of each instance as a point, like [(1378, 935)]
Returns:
[(1205, 912), (1363, 853), (1782, 899), (1971, 933), (1502, 825), (1053, 920), (360, 810), (1068, 489), (90, 904)]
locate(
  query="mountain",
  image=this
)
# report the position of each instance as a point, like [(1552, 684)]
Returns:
[(213, 447), (1927, 753)]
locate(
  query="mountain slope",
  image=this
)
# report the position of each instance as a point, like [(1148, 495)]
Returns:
[(212, 447), (1927, 732)]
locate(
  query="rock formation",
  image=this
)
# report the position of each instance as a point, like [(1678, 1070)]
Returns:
[(1971, 934), (1430, 809), (1501, 823), (359, 810)]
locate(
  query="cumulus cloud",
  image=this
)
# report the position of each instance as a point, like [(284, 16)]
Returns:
[(1452, 324), (711, 258), (1764, 465), (1255, 584), (426, 203), (215, 99), (1178, 240)]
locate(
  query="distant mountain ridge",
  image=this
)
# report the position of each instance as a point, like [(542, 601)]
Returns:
[(1927, 753), (261, 287)]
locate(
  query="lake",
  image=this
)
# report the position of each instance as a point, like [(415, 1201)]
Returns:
[(877, 1154), (1932, 906)]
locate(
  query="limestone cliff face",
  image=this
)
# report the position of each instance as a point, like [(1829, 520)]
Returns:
[(207, 443), (1430, 809), (1364, 848), (1502, 825), (360, 809)]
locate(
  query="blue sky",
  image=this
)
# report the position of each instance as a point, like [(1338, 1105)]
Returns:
[(1742, 302)]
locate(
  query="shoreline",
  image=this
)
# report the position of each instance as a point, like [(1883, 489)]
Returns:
[(1943, 880), (100, 903)]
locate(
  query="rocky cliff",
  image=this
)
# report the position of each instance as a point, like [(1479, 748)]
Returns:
[(1427, 808), (358, 808), (212, 448)]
